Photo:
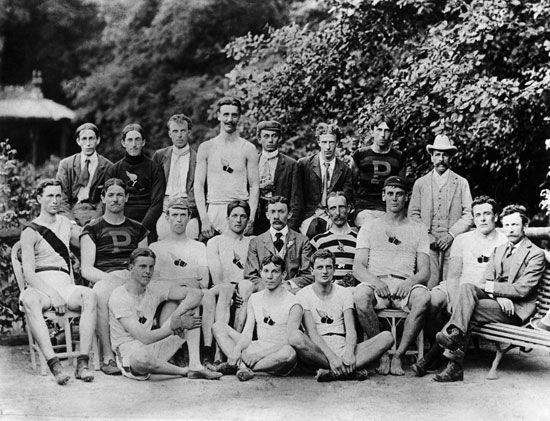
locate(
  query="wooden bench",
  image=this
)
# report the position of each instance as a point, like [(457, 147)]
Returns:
[(506, 337)]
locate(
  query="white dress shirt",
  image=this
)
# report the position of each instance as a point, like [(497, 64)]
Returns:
[(176, 185), (440, 180)]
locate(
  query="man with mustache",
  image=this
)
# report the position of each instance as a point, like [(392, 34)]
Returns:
[(442, 201), (227, 168)]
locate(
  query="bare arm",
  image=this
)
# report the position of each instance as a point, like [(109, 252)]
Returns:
[(246, 335), (360, 271), (466, 220), (75, 234), (214, 263), (145, 336), (422, 270), (200, 181), (253, 183), (453, 276), (87, 261), (315, 337), (414, 204), (294, 319)]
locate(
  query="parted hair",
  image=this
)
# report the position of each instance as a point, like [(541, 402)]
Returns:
[(484, 199), (323, 254), (238, 204), (229, 100), (141, 252), (42, 184), (113, 182), (276, 260), (510, 209), (338, 194), (179, 119), (87, 126), (325, 128), (381, 118), (130, 127), (278, 199)]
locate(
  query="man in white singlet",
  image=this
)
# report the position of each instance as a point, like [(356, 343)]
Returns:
[(227, 167), (274, 312), (48, 274)]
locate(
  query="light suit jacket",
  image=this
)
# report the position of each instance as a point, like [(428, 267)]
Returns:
[(297, 257), (459, 202), (163, 157), (526, 267)]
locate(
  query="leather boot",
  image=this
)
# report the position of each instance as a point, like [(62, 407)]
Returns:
[(452, 373)]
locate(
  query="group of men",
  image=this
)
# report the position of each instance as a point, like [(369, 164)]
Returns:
[(331, 242)]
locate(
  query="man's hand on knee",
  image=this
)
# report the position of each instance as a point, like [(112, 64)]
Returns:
[(180, 323)]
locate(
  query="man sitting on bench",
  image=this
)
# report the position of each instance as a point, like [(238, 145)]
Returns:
[(506, 294), (47, 269)]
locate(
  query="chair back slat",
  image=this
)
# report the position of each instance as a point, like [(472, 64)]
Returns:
[(543, 297), (17, 266)]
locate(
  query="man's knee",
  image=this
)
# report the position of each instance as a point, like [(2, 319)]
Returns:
[(88, 299), (386, 339), (143, 362), (437, 300), (30, 298), (288, 354), (218, 328), (246, 288), (102, 291), (420, 299), (363, 296), (297, 339)]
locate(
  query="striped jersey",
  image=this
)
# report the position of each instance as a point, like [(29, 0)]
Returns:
[(343, 247)]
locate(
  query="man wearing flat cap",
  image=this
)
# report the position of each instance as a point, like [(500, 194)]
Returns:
[(442, 201), (392, 264), (278, 176)]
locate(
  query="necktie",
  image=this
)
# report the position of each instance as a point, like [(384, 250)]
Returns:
[(326, 183), (85, 174), (278, 243)]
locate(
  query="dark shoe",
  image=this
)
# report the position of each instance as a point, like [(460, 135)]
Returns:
[(452, 373), (226, 369), (452, 340), (60, 377), (204, 374), (83, 373), (360, 375), (110, 368), (324, 375), (420, 368)]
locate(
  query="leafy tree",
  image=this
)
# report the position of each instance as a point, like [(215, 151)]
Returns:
[(476, 70)]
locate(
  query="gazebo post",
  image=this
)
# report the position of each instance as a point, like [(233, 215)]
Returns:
[(34, 144)]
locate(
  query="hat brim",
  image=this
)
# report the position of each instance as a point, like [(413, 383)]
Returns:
[(430, 148)]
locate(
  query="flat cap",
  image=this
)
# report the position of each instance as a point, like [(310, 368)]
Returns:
[(396, 181), (178, 203), (272, 125)]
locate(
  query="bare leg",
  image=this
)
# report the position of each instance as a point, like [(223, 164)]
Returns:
[(167, 309), (144, 362), (223, 305), (372, 349), (280, 361), (34, 304), (419, 302), (307, 350), (103, 290), (245, 288), (208, 310), (364, 299), (226, 337), (85, 301)]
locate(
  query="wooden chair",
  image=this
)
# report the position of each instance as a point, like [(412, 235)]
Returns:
[(394, 318), (507, 337), (71, 346)]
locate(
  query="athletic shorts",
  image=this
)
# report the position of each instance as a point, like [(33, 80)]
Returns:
[(336, 343), (60, 281), (393, 303), (162, 350), (217, 213)]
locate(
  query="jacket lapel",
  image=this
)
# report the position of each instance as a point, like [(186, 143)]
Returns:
[(166, 160), (335, 174), (101, 164), (279, 168), (191, 171), (268, 243), (453, 183), (316, 165), (517, 259)]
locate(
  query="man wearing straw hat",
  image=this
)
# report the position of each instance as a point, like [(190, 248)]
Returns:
[(442, 201)]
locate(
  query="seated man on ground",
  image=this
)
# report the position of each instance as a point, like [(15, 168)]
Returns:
[(226, 258), (48, 273), (106, 244), (293, 247), (331, 340), (340, 239), (470, 254), (141, 351), (181, 260), (392, 264), (506, 293), (274, 312)]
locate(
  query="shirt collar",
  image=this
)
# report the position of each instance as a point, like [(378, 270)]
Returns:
[(443, 177), (284, 231), (270, 155), (181, 152), (93, 158)]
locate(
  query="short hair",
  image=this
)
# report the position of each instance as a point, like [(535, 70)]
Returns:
[(377, 120), (481, 200), (229, 100), (338, 194), (275, 259), (130, 127), (510, 209), (323, 254), (42, 184), (238, 204), (179, 119), (278, 199), (113, 182), (87, 126), (324, 128), (141, 252)]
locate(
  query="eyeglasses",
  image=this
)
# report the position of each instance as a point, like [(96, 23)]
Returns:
[(482, 259), (179, 262), (269, 320)]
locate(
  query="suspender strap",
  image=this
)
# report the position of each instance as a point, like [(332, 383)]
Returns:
[(54, 241)]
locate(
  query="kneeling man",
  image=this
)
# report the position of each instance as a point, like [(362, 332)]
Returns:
[(274, 312), (331, 340), (49, 276), (141, 351)]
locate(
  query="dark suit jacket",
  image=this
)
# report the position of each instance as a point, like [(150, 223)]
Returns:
[(68, 173), (312, 182), (297, 257), (526, 268), (286, 183), (163, 158)]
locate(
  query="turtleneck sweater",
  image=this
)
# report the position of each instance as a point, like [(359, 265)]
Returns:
[(145, 185)]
